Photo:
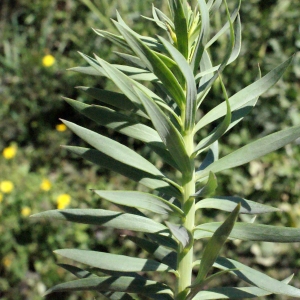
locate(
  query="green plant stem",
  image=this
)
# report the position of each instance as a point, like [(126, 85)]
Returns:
[(185, 255)]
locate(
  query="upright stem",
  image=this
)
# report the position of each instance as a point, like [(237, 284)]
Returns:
[(185, 256)]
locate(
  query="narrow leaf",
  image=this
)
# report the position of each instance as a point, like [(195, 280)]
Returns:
[(114, 99), (114, 149), (141, 200), (220, 129), (246, 95), (215, 245), (211, 156), (191, 90), (203, 37), (113, 283), (126, 125), (106, 218), (209, 188), (229, 203), (257, 278), (253, 151), (155, 65), (167, 131), (160, 252), (112, 262), (133, 172), (180, 233), (255, 232), (180, 23)]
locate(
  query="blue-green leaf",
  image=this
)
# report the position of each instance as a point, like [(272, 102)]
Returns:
[(141, 200), (257, 278), (167, 131), (112, 262), (155, 65), (180, 233), (252, 151), (209, 188), (229, 203), (106, 218), (114, 283), (107, 161), (203, 37), (126, 125), (220, 129), (215, 245), (234, 292), (191, 90), (254, 232), (180, 23), (241, 98)]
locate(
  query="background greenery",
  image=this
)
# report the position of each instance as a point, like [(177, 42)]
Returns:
[(37, 175)]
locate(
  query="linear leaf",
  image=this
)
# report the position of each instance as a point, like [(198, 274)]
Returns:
[(203, 37), (131, 59), (163, 240), (114, 149), (220, 129), (246, 95), (211, 156), (155, 65), (132, 172), (167, 131), (209, 188), (86, 70), (161, 253), (124, 83), (180, 23), (215, 245), (229, 203), (191, 90), (225, 27), (106, 218), (141, 200), (252, 151), (78, 272), (256, 232), (234, 292), (114, 283), (257, 278), (126, 125), (180, 233), (112, 262), (233, 56)]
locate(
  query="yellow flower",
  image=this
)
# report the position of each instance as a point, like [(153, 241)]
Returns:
[(6, 186), (45, 185), (48, 60), (26, 211), (63, 200), (1, 197), (61, 127), (9, 152), (6, 262)]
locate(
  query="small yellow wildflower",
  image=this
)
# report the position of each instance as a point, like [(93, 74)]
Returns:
[(1, 197), (6, 262), (26, 211), (45, 185), (48, 60), (61, 127), (6, 186), (9, 152), (63, 200)]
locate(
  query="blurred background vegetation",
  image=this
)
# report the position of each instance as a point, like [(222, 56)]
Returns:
[(39, 40)]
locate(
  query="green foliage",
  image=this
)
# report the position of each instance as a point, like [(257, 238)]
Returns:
[(30, 96), (183, 71)]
